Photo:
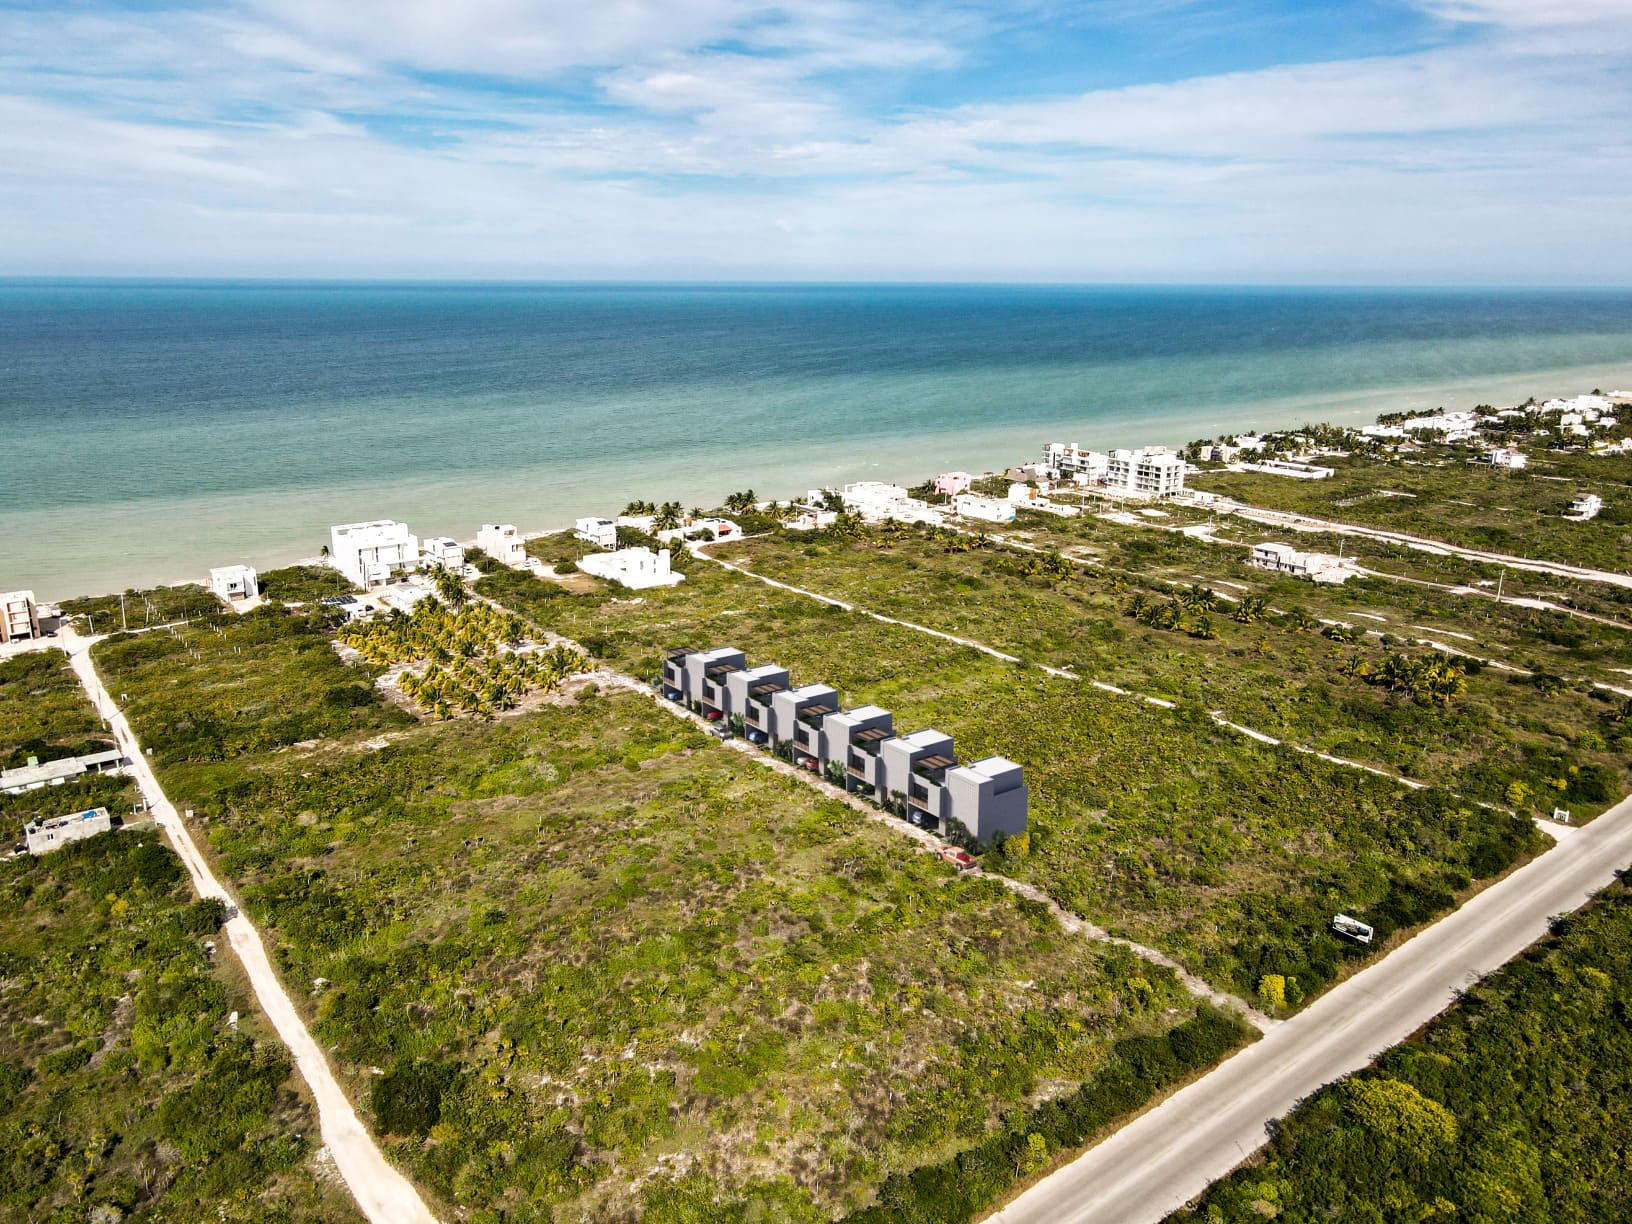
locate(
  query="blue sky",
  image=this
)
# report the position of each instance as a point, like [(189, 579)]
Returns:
[(1259, 141)]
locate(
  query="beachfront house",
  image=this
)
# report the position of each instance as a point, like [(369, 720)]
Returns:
[(700, 529), (44, 836), (639, 569), (444, 551), (1151, 471), (952, 483), (603, 533), (503, 543), (34, 775), (987, 509), (232, 582), (373, 553), (19, 616)]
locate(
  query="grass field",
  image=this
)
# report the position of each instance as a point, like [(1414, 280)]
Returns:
[(587, 949), (1445, 498), (1275, 673), (1228, 854), (125, 1093), (44, 713), (140, 609), (1513, 1106)]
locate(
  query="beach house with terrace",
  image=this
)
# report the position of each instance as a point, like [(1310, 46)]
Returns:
[(952, 483), (234, 582), (603, 533), (374, 552)]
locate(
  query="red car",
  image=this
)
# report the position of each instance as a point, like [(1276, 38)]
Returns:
[(958, 858)]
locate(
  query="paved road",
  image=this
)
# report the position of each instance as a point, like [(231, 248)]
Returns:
[(384, 1194), (1168, 1156)]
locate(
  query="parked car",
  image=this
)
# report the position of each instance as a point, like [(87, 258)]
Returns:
[(722, 733), (960, 859)]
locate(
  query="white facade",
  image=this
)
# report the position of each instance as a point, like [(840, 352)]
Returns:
[(1586, 505), (19, 616), (636, 568), (503, 543), (988, 509), (1317, 567), (444, 551), (873, 499), (372, 553), (44, 836), (1288, 467), (230, 582), (1504, 457), (1151, 471), (811, 518), (644, 523), (1069, 459), (603, 533)]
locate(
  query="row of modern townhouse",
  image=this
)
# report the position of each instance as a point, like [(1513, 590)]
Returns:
[(918, 773)]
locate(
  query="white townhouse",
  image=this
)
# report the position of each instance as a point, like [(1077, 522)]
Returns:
[(374, 552), (987, 509), (444, 551), (603, 533)]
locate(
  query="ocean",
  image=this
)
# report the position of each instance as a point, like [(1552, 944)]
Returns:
[(151, 430)]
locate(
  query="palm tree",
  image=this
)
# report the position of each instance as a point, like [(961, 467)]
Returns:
[(1137, 604), (668, 516), (450, 588)]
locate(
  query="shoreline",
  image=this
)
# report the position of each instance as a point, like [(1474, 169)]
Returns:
[(270, 539)]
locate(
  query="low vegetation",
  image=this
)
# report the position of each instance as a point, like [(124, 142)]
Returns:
[(43, 711), (1229, 854), (140, 609), (1515, 1105), (1190, 622), (608, 968), (303, 584), (126, 1092)]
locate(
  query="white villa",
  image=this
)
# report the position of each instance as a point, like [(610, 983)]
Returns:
[(230, 582), (639, 569), (1586, 505), (502, 542), (603, 533), (1503, 457), (874, 499), (442, 550), (988, 509), (372, 553)]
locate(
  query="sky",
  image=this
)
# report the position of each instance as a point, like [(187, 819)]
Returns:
[(1122, 141)]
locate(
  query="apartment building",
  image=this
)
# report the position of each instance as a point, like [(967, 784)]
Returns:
[(1151, 471), (919, 773), (1069, 459), (374, 552), (19, 616)]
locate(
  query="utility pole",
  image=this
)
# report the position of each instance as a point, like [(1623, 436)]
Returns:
[(1500, 578), (123, 624)]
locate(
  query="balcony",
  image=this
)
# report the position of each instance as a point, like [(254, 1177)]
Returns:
[(801, 736)]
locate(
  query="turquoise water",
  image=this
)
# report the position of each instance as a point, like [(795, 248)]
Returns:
[(151, 430)]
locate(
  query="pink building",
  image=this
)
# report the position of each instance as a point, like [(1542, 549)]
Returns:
[(953, 483)]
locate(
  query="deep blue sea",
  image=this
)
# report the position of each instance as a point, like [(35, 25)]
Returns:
[(151, 430)]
